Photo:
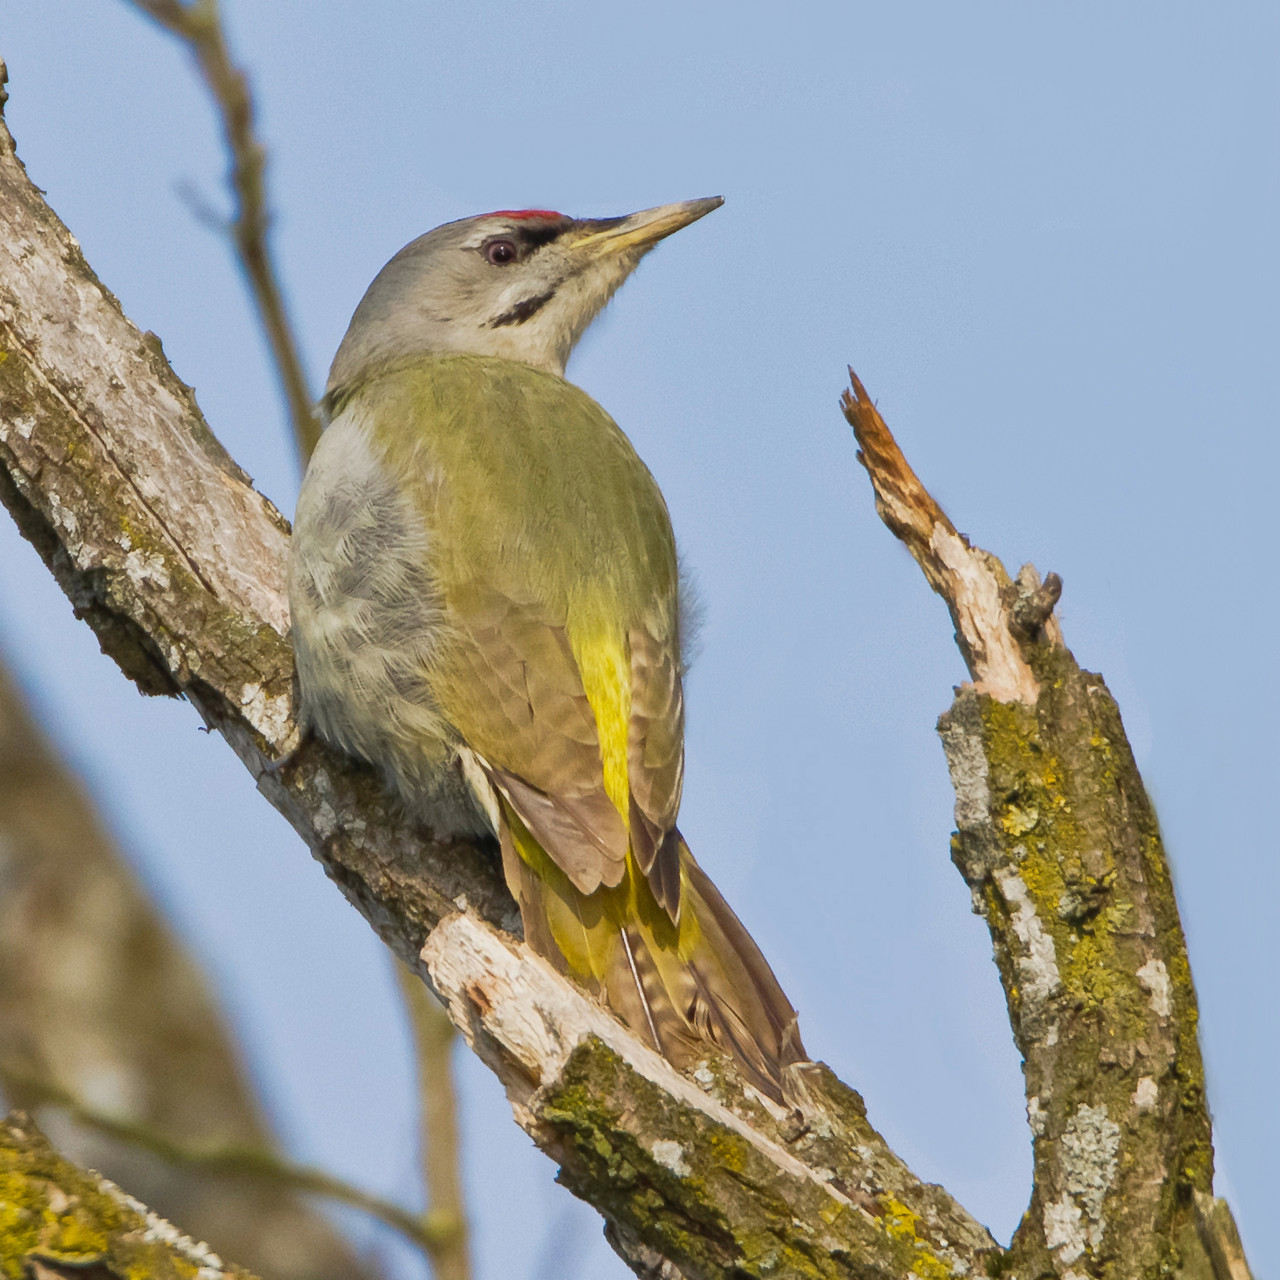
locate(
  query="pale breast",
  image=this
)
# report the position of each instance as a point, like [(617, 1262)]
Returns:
[(366, 621)]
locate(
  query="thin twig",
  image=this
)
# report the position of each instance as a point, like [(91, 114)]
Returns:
[(232, 1161), (199, 25), (434, 1037)]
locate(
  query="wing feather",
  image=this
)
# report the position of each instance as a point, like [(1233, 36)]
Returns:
[(511, 685), (655, 758)]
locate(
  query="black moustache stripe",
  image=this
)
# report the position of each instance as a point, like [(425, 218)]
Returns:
[(522, 310)]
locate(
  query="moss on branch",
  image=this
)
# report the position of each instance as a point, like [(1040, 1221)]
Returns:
[(57, 1220)]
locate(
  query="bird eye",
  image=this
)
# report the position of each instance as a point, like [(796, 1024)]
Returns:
[(500, 252)]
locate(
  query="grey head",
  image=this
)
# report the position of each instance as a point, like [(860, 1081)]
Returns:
[(521, 284)]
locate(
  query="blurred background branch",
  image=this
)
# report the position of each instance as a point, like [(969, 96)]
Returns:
[(442, 1230), (434, 1037), (199, 26), (260, 1164), (100, 1001)]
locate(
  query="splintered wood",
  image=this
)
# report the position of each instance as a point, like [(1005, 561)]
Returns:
[(986, 607)]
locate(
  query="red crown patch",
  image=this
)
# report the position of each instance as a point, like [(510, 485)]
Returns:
[(521, 214)]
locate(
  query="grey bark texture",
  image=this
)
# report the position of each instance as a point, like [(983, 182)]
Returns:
[(177, 563)]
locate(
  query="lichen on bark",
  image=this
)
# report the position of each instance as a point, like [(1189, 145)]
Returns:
[(1060, 847), (58, 1220), (747, 1217)]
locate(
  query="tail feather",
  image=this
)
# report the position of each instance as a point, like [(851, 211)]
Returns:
[(681, 987), (560, 923), (740, 1005), (629, 950)]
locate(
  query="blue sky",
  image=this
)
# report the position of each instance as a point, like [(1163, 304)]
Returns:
[(1045, 237)]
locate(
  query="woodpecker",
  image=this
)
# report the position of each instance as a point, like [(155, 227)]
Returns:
[(486, 606)]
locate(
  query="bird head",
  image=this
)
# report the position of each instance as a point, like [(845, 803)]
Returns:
[(521, 284)]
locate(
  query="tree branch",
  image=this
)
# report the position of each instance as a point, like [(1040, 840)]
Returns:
[(1059, 845), (178, 565), (705, 1173)]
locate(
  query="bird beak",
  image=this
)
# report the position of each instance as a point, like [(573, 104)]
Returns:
[(607, 236)]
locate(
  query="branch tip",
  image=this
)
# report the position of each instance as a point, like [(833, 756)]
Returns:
[(970, 581)]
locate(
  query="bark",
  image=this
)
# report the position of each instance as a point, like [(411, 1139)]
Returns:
[(177, 563)]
